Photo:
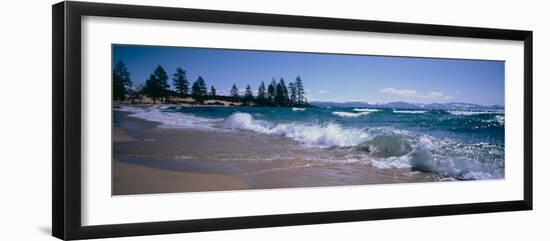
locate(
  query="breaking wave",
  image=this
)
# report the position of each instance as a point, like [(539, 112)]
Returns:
[(438, 155), (326, 135), (365, 110), (382, 147), (468, 113), (349, 114), (171, 119), (409, 111), (389, 148)]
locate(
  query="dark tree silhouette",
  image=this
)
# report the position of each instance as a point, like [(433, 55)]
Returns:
[(121, 81), (157, 86), (281, 93), (180, 82), (151, 87), (234, 92), (262, 95), (300, 92), (293, 96), (199, 90), (162, 78), (271, 92), (212, 91), (248, 97)]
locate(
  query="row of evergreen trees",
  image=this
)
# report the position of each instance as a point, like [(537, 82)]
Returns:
[(278, 94), (157, 88)]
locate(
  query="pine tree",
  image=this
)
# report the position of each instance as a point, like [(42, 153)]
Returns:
[(180, 82), (271, 91), (121, 81), (212, 91), (151, 88), (199, 90), (156, 86), (248, 97), (281, 93), (234, 92), (300, 92), (293, 97), (162, 78), (262, 95), (286, 99)]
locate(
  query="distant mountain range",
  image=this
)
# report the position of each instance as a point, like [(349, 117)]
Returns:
[(406, 105)]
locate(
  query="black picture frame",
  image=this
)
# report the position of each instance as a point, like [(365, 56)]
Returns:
[(66, 128)]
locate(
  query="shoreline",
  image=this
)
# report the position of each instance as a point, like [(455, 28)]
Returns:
[(129, 178), (118, 105), (137, 179), (148, 159), (190, 102)]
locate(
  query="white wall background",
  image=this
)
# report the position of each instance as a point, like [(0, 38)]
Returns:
[(25, 122)]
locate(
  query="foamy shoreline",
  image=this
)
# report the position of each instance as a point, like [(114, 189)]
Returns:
[(396, 148), (266, 162)]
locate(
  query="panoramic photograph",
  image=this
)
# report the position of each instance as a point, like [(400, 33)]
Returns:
[(188, 119)]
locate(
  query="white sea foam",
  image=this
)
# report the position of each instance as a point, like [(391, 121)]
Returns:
[(171, 119), (298, 109), (365, 110), (396, 149), (496, 120), (392, 162), (500, 119), (326, 135), (468, 113), (427, 156), (131, 109), (349, 114), (409, 111)]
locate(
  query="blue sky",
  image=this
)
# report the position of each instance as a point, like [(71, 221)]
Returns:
[(327, 77)]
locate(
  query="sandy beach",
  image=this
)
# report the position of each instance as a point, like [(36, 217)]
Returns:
[(139, 179), (148, 159)]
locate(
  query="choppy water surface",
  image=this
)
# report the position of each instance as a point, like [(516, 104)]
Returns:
[(466, 144)]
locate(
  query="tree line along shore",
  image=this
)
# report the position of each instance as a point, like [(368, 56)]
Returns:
[(156, 89)]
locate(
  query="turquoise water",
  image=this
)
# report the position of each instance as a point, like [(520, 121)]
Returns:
[(455, 144)]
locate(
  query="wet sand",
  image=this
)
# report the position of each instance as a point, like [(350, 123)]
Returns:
[(148, 159), (131, 178), (137, 179)]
